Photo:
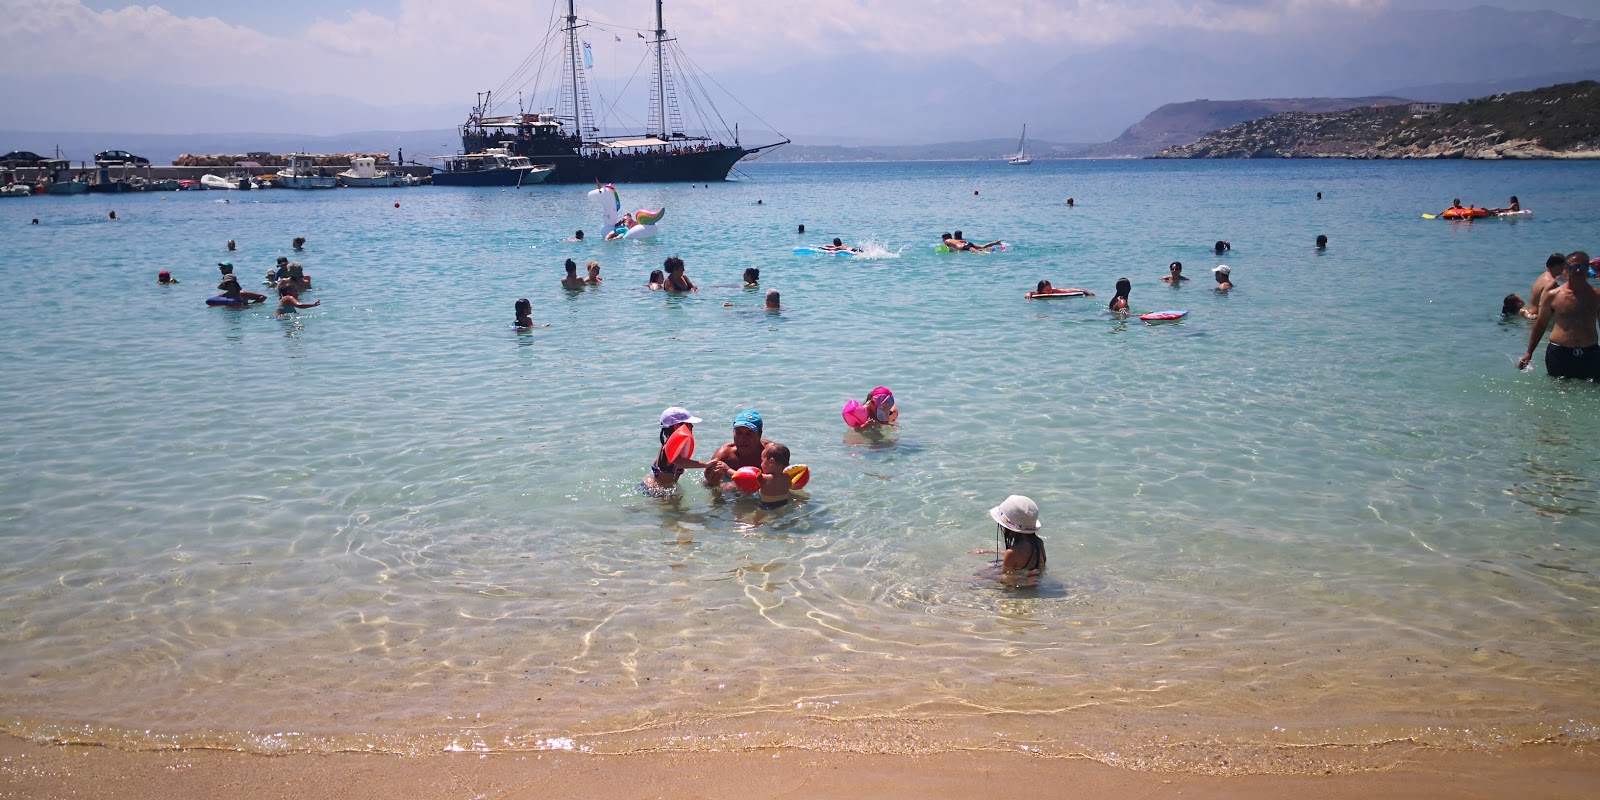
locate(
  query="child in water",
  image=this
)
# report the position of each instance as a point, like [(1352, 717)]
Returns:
[(880, 406), (1022, 560), (164, 278), (658, 280), (594, 274), (665, 471), (775, 483)]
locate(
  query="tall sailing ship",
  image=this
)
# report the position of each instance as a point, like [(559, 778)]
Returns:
[(569, 140)]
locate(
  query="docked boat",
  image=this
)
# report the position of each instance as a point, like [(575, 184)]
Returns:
[(302, 173), (1021, 158), (60, 179), (364, 172), (211, 181), (496, 166), (16, 190), (571, 142)]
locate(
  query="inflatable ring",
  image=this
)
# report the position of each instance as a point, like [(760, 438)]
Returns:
[(219, 300)]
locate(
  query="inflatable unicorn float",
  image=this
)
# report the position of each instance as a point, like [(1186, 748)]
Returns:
[(640, 224)]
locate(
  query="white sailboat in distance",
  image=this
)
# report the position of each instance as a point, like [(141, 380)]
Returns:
[(1021, 157)]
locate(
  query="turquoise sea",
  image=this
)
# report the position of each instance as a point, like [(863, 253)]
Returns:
[(1320, 523)]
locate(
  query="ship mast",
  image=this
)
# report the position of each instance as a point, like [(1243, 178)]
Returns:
[(661, 71), (572, 57)]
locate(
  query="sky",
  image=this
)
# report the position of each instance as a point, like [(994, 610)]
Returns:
[(418, 63)]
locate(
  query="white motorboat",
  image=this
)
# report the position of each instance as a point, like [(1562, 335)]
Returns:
[(1021, 158), (211, 181), (364, 172), (16, 190), (303, 174)]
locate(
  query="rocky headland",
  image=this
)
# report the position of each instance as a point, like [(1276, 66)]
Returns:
[(1560, 121), (1182, 123)]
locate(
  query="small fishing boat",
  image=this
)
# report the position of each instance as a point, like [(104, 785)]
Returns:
[(364, 172), (302, 173)]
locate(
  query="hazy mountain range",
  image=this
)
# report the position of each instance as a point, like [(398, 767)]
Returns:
[(876, 100)]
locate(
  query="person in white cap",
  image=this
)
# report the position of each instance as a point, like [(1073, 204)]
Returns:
[(1223, 281), (1023, 556), (667, 467)]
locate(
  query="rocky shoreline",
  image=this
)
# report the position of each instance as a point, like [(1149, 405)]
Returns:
[(1557, 122)]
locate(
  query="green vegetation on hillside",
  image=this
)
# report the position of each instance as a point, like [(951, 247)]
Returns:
[(1557, 117)]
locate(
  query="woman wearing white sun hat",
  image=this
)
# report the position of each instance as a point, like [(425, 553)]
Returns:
[(1017, 517)]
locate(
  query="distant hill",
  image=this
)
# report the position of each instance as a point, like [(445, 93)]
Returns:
[(1461, 91), (981, 150), (1183, 123), (1554, 122)]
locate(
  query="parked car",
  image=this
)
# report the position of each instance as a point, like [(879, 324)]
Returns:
[(20, 158), (118, 157)]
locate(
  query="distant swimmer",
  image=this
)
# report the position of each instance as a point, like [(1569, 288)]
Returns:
[(1511, 306), (1224, 275), (658, 280), (1070, 203), (1044, 289), (1322, 242), (1319, 195), (838, 247), (1555, 269), (1570, 312), (1222, 247), (113, 216), (576, 237), (572, 281), (165, 278), (299, 243), (802, 228), (772, 300), (1119, 302), (1174, 274), (752, 277), (594, 274), (231, 246)]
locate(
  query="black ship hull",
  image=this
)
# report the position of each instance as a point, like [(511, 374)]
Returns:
[(696, 165), (487, 177)]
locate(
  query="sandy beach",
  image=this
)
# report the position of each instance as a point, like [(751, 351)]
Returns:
[(32, 770)]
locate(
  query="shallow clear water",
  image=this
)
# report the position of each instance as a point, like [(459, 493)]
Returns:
[(1324, 509)]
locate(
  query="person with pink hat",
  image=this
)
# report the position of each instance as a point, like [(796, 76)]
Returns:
[(880, 407), (1023, 559)]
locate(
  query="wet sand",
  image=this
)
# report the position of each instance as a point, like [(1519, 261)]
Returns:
[(33, 770)]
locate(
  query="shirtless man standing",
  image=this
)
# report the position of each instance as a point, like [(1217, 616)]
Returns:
[(744, 451), (1554, 268), (1574, 348)]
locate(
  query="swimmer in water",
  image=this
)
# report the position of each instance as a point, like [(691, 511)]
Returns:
[(838, 247), (1119, 302), (657, 280), (752, 277), (975, 248), (1174, 274), (1511, 306), (525, 316), (1516, 205), (1322, 242), (772, 300), (576, 237), (1224, 281), (1022, 560), (665, 471), (299, 243), (880, 406), (230, 289), (621, 229), (775, 483), (1222, 247), (165, 278), (594, 274), (677, 281), (1044, 288), (231, 246), (572, 281), (289, 304)]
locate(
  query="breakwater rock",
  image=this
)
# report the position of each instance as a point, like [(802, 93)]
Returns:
[(1560, 121)]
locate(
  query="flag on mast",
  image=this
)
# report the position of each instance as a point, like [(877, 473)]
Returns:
[(588, 57)]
